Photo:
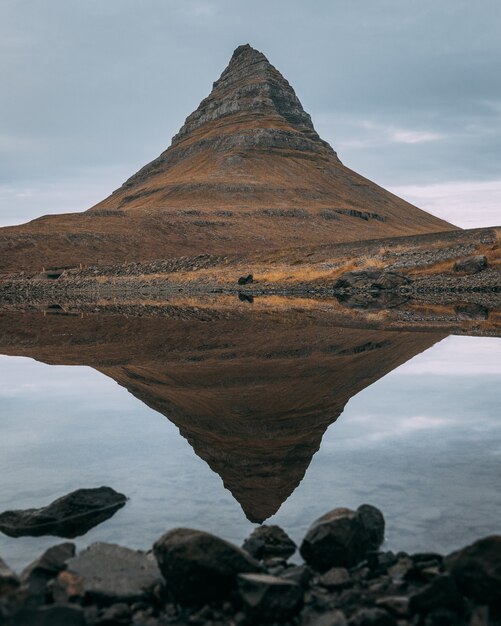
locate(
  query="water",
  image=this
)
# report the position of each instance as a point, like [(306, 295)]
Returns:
[(422, 442)]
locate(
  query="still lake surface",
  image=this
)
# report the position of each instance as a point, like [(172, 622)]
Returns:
[(423, 443)]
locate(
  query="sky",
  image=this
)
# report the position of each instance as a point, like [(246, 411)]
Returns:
[(408, 92)]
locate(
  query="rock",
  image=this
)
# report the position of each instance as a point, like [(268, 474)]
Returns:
[(269, 598), (372, 617), (300, 574), (275, 566), (269, 541), (335, 578), (339, 538), (441, 593), (371, 300), (444, 617), (245, 280), (429, 558), (51, 616), (198, 566), (477, 569), (327, 618), (428, 573), (480, 616), (358, 279), (116, 614), (471, 311), (9, 582), (106, 574), (391, 280), (397, 605), (402, 569), (245, 297), (46, 567), (70, 516), (381, 561), (471, 265), (371, 280), (374, 523)]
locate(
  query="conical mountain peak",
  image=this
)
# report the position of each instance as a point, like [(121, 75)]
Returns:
[(253, 63), (247, 172), (250, 88), (247, 54)]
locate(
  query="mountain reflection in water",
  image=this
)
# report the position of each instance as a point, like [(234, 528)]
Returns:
[(253, 398)]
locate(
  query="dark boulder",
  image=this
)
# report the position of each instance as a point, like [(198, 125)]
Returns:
[(391, 280), (339, 539), (50, 616), (371, 300), (300, 574), (9, 582), (244, 297), (116, 614), (373, 521), (245, 280), (471, 265), (106, 574), (269, 541), (70, 516), (371, 280), (198, 566), (332, 617), (335, 578), (472, 311), (396, 605), (440, 593), (358, 279), (38, 574), (477, 570), (427, 557), (372, 617), (268, 598), (381, 561), (402, 569)]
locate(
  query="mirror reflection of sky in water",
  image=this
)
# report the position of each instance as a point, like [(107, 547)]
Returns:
[(423, 444)]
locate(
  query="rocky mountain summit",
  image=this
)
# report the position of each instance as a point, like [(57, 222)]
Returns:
[(251, 109), (246, 172), (251, 86)]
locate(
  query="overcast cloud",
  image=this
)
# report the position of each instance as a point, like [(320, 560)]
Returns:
[(407, 91)]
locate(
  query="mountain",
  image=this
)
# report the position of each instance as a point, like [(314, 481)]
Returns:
[(253, 396), (246, 172)]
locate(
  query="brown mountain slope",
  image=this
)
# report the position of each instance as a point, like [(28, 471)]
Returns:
[(246, 172), (253, 395)]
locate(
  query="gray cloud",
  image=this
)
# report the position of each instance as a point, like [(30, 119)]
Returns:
[(407, 92)]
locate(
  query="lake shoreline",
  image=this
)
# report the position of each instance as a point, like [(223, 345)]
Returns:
[(453, 260), (447, 280), (193, 577)]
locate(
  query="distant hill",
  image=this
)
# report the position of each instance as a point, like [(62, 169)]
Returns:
[(246, 172)]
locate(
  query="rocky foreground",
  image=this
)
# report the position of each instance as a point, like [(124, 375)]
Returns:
[(193, 577)]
